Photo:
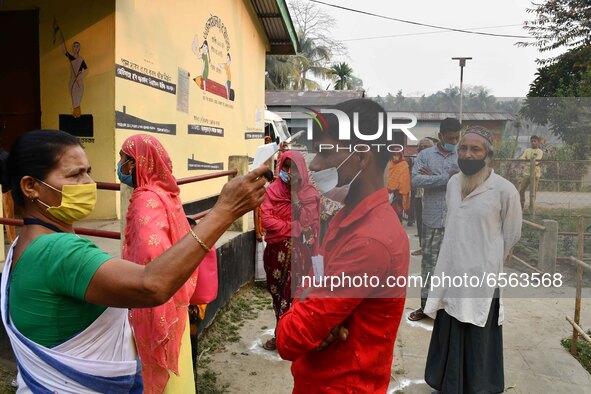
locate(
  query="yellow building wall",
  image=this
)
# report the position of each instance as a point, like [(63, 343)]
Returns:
[(158, 62), (157, 44), (92, 23)]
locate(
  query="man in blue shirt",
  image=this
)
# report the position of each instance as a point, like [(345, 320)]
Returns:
[(431, 171)]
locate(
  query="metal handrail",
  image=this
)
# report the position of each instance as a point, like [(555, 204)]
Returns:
[(205, 177), (180, 181), (108, 186), (78, 230), (199, 215)]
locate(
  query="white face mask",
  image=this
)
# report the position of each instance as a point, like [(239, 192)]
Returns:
[(328, 179)]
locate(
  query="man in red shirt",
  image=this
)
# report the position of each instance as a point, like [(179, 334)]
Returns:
[(341, 337)]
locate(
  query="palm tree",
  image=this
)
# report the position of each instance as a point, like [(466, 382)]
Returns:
[(342, 74), (281, 72), (311, 58)]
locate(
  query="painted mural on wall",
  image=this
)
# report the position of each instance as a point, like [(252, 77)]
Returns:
[(206, 56), (78, 69), (214, 53)]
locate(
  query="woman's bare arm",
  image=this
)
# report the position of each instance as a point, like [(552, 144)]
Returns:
[(124, 284)]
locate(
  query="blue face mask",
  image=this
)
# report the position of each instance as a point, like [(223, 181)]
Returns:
[(284, 176), (124, 178), (449, 147)]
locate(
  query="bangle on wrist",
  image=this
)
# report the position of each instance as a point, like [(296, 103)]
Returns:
[(203, 245)]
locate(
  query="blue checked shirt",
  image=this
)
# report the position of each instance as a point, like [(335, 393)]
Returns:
[(434, 207)]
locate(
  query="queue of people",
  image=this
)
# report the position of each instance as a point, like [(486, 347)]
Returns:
[(81, 321)]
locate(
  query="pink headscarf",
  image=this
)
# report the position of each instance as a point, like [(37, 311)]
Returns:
[(279, 195), (155, 222)]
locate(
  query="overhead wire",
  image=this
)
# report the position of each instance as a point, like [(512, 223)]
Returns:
[(419, 23), (423, 33)]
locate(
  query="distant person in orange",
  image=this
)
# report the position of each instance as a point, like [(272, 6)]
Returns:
[(399, 184)]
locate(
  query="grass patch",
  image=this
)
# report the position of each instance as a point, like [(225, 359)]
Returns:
[(6, 376), (583, 351), (400, 371), (245, 305)]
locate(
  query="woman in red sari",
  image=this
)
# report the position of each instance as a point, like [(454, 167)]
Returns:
[(156, 221), (291, 218)]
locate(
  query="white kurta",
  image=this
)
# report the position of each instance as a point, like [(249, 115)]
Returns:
[(479, 233)]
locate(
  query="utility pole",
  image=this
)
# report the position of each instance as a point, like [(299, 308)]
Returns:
[(462, 64)]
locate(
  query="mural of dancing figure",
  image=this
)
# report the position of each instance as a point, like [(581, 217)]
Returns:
[(203, 53), (226, 67), (78, 70)]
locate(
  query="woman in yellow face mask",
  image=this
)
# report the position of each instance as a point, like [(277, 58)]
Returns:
[(64, 301)]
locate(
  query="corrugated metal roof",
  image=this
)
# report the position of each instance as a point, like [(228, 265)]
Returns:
[(310, 97), (276, 21)]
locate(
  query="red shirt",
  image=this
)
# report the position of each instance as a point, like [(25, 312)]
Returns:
[(368, 240)]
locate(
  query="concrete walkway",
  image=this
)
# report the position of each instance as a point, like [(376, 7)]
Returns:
[(535, 361)]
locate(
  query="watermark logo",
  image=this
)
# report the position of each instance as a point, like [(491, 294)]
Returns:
[(388, 122), (316, 117)]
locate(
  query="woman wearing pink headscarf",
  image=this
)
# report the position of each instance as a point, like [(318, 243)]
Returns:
[(290, 216), (156, 221)]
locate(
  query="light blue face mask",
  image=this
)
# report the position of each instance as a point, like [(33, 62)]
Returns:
[(124, 178), (284, 176), (449, 147)]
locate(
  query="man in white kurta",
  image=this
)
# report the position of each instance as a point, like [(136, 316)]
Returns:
[(483, 223)]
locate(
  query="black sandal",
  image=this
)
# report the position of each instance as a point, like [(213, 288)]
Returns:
[(270, 345), (417, 315)]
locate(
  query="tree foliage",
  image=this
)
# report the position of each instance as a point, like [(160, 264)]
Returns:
[(342, 75), (316, 49), (559, 24), (560, 93), (314, 23), (560, 96), (476, 99), (312, 58)]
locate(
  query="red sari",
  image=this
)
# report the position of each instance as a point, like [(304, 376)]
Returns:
[(284, 224), (155, 221)]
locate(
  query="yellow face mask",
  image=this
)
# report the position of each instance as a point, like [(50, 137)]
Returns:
[(78, 201)]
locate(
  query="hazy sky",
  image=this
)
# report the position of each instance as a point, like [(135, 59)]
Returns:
[(419, 64)]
